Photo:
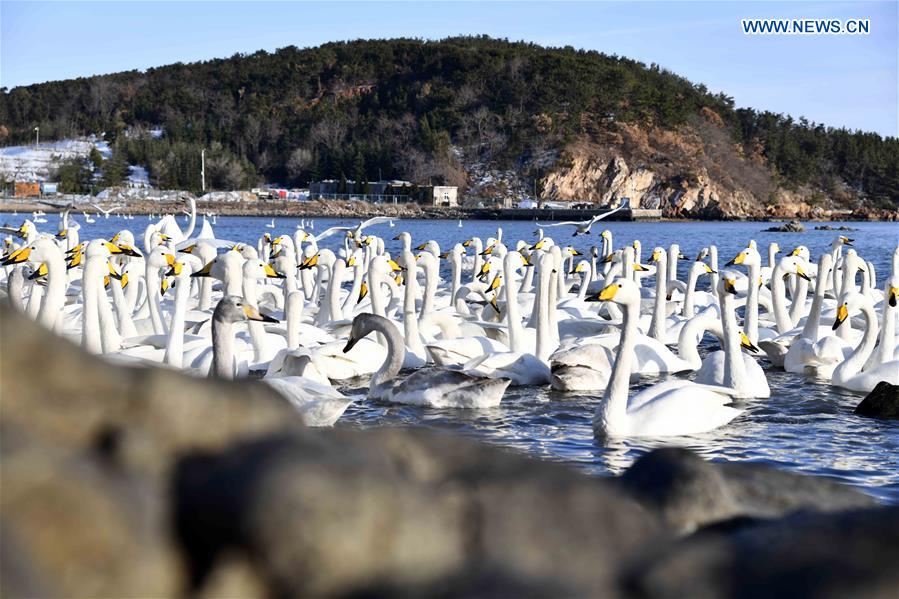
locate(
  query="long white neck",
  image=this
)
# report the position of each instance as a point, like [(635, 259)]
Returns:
[(153, 300), (55, 296), (293, 313), (852, 365), (544, 338), (751, 320), (690, 336), (457, 273), (410, 318), (692, 277), (123, 313), (349, 303), (611, 414), (886, 345), (513, 312), (90, 314), (810, 330), (798, 306), (334, 288), (660, 305), (15, 285), (431, 274), (174, 349), (734, 367), (778, 296), (257, 330), (713, 263)]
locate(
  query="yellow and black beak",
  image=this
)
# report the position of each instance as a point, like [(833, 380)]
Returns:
[(309, 262), (75, 249), (484, 270), (730, 286), (129, 251), (18, 256), (795, 252), (605, 295), (189, 249), (892, 292), (163, 286), (444, 255), (525, 260), (62, 234), (271, 273), (466, 243), (539, 245), (708, 269), (175, 270), (745, 343), (254, 314), (75, 260), (398, 279), (801, 273), (205, 271), (113, 248), (640, 268), (842, 314), (398, 236), (421, 247), (656, 256), (363, 291), (124, 280), (493, 303), (847, 241), (112, 272), (394, 267), (351, 261), (41, 271), (741, 257), (487, 252)]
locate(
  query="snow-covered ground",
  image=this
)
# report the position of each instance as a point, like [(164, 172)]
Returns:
[(37, 163), (138, 177)]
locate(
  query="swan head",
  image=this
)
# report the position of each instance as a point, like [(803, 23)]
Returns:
[(843, 240), (794, 265), (233, 308), (621, 291), (891, 293), (850, 303), (258, 270), (800, 251), (747, 257), (363, 324)]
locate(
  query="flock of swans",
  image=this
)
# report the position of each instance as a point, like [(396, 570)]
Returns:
[(456, 327)]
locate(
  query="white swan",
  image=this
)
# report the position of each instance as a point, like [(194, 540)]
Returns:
[(430, 387), (317, 404), (849, 374), (670, 408)]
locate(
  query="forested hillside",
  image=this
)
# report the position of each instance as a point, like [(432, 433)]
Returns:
[(441, 110)]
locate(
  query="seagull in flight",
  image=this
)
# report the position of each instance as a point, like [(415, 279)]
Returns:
[(582, 227), (106, 213), (357, 230)]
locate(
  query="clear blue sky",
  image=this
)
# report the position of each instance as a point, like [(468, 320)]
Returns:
[(838, 80)]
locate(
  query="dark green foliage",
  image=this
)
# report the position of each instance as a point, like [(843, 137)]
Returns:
[(399, 106), (74, 176)]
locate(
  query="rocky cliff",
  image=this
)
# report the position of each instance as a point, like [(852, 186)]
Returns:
[(691, 173)]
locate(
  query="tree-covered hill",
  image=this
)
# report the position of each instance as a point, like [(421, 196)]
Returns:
[(429, 110)]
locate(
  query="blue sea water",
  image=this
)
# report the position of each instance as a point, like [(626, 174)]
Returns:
[(805, 426)]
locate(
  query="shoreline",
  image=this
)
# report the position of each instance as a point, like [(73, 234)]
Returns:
[(359, 209)]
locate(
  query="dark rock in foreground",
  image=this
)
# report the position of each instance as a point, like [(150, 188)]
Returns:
[(881, 402), (846, 554), (689, 493), (128, 482), (790, 227)]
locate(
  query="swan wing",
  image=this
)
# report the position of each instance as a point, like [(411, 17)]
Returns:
[(318, 404), (331, 231), (442, 388)]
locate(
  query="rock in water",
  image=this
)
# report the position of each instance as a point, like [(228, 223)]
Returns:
[(690, 493), (881, 402), (793, 226)]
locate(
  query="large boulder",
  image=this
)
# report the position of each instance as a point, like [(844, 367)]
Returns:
[(808, 554), (689, 492), (881, 402)]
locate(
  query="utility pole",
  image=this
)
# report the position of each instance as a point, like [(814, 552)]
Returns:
[(37, 136), (203, 169)]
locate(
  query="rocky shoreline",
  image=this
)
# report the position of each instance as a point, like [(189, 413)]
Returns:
[(359, 209), (119, 481)]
